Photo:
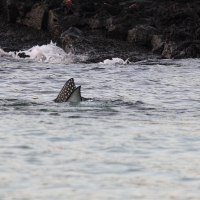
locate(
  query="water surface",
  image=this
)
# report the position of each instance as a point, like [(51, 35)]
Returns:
[(137, 137)]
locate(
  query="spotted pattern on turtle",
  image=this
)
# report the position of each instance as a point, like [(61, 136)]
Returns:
[(66, 91)]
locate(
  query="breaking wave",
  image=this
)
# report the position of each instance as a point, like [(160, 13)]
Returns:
[(115, 61), (49, 53)]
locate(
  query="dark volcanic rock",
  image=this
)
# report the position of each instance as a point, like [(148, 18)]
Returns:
[(15, 8), (36, 17), (110, 28), (58, 22), (157, 43), (14, 37), (142, 35), (97, 47)]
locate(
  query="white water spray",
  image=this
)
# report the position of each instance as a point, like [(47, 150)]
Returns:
[(49, 53)]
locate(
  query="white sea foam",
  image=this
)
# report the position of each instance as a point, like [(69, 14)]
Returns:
[(49, 53), (5, 54), (115, 61)]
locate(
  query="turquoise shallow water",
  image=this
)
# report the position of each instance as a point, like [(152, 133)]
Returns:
[(137, 137)]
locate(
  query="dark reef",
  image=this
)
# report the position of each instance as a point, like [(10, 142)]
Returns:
[(104, 29)]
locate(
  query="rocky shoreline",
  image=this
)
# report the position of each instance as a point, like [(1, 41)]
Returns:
[(136, 30)]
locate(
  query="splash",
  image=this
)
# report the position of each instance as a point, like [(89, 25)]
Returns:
[(5, 54), (115, 61), (49, 53)]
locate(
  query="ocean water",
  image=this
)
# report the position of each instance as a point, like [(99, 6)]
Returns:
[(136, 137)]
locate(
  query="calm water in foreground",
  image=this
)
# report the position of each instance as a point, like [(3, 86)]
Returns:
[(137, 137)]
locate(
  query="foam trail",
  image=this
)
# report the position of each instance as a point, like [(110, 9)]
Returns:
[(115, 61)]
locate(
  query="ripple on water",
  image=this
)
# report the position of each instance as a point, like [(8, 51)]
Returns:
[(137, 132)]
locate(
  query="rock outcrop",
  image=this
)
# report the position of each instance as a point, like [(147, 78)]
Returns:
[(114, 28)]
